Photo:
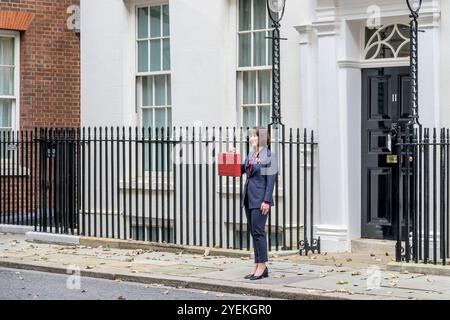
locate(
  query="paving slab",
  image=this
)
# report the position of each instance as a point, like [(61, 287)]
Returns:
[(324, 277)]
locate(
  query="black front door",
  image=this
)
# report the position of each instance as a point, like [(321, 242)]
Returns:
[(385, 101)]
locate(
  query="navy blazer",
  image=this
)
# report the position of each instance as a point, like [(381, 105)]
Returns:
[(261, 181)]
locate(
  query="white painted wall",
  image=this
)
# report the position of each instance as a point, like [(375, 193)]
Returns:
[(106, 84), (444, 79), (203, 62)]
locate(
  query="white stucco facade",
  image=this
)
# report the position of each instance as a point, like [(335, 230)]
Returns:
[(321, 79)]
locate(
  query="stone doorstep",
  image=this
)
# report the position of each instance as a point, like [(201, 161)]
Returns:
[(184, 282), (373, 246), (426, 269)]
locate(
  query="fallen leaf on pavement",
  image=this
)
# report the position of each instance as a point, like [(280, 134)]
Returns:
[(393, 284), (341, 282)]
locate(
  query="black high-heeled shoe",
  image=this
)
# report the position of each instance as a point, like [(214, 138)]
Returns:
[(248, 277), (265, 274)]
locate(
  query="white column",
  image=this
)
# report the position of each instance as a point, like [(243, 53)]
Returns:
[(308, 73), (429, 70), (332, 226)]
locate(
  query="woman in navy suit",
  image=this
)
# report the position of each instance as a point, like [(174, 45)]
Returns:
[(261, 169)]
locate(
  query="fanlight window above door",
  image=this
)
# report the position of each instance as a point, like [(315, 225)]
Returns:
[(388, 42)]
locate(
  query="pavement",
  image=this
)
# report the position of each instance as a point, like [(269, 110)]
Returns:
[(326, 276)]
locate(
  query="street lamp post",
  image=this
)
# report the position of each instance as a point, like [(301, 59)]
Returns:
[(414, 8), (276, 13), (405, 152)]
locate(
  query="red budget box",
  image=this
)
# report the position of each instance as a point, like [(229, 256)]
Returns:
[(229, 164)]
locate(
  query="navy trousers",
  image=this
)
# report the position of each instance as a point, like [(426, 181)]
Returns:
[(256, 222)]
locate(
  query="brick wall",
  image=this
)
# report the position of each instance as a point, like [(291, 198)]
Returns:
[(50, 65), (49, 90)]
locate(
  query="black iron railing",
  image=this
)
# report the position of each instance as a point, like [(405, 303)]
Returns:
[(153, 185), (423, 199)]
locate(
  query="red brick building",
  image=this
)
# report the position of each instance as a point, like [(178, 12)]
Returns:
[(39, 64)]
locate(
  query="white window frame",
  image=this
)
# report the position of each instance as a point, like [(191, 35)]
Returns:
[(252, 31), (242, 70), (257, 103), (15, 113), (139, 75)]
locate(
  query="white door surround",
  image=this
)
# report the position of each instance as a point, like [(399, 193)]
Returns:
[(331, 50)]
